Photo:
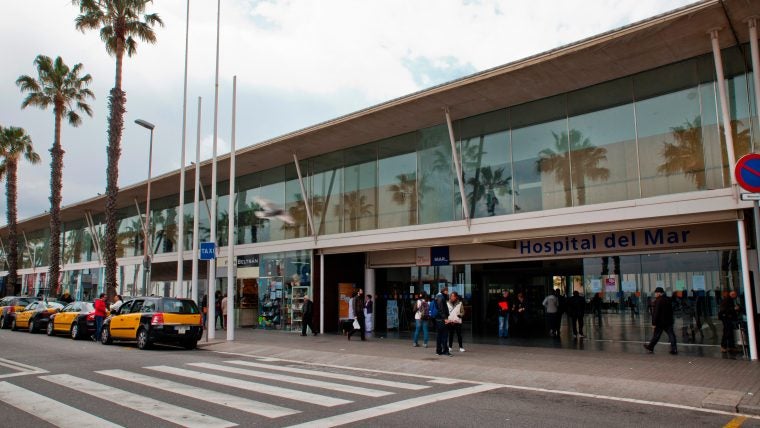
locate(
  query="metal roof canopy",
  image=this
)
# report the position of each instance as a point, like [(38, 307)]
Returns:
[(658, 41)]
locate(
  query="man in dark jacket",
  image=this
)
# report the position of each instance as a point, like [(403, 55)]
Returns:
[(576, 308), (441, 319), (662, 320), (358, 303), (308, 316), (728, 315)]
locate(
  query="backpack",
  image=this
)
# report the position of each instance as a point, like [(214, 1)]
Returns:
[(434, 308), (424, 310)]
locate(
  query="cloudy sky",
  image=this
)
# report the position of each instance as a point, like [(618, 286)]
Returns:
[(298, 63)]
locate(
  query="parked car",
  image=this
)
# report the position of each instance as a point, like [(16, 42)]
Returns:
[(76, 319), (34, 316), (149, 320), (11, 304)]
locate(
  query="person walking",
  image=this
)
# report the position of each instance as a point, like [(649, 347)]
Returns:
[(368, 306), (596, 307), (520, 316), (421, 320), (576, 309), (551, 306), (308, 316), (728, 314), (218, 309), (204, 309), (223, 305), (456, 314), (662, 320), (358, 304), (99, 315), (441, 321), (503, 312)]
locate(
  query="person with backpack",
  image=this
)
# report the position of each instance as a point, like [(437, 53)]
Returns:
[(439, 311), (421, 320)]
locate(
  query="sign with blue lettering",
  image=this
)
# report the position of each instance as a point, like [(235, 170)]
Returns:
[(208, 251), (747, 172), (439, 256)]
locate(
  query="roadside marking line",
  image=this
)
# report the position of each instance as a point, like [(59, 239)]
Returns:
[(49, 410), (210, 396), (398, 406), (400, 385), (17, 365), (334, 366), (627, 400), (302, 381), (149, 406), (735, 422), (444, 381), (261, 388)]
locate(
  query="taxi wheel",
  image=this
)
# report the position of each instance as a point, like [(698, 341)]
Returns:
[(105, 336), (142, 339), (13, 325), (3, 325), (50, 327), (32, 326), (75, 331), (189, 344)]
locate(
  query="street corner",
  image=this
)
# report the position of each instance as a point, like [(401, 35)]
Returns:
[(723, 399)]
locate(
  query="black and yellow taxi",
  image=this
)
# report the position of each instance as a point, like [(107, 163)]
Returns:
[(149, 320), (11, 304), (76, 319), (34, 316)]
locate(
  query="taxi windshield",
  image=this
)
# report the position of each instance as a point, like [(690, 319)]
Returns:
[(180, 306)]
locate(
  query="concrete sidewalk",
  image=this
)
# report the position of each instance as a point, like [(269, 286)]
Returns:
[(721, 384)]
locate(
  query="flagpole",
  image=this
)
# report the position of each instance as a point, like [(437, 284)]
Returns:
[(231, 262), (212, 220), (181, 211), (196, 208)]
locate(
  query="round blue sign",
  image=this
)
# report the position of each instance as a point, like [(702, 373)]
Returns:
[(747, 172)]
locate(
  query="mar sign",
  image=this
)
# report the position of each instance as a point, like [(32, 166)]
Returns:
[(208, 251), (747, 172)]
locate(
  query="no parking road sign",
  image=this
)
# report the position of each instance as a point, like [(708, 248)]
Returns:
[(208, 251), (747, 172)]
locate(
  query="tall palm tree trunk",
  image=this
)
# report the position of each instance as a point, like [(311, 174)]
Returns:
[(11, 187), (116, 102), (56, 172)]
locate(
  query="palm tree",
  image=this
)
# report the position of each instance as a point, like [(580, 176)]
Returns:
[(575, 160), (406, 190), (488, 183), (14, 144), (59, 86), (685, 155), (353, 208), (119, 23)]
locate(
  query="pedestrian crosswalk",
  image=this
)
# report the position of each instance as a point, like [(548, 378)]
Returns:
[(220, 393)]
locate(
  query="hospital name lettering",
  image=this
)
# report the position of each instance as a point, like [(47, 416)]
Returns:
[(610, 241)]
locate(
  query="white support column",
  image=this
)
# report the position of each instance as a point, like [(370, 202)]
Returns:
[(747, 292), (726, 116), (196, 210), (305, 197), (369, 289), (321, 293), (231, 261), (458, 166)]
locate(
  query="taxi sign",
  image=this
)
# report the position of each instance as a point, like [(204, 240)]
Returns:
[(208, 251), (747, 172)]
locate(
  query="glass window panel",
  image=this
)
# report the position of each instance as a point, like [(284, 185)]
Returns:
[(436, 176), (603, 145), (669, 129), (295, 206), (326, 181), (397, 186), (541, 160), (487, 169), (359, 204)]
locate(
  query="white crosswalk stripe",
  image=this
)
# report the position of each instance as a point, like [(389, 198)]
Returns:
[(220, 398), (49, 410), (352, 378), (292, 394), (297, 380), (165, 411)]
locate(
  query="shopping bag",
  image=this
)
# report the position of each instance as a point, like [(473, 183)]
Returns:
[(356, 325)]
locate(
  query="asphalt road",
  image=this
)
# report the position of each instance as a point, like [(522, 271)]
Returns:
[(55, 381)]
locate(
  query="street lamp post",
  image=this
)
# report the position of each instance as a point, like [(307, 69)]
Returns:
[(146, 232)]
